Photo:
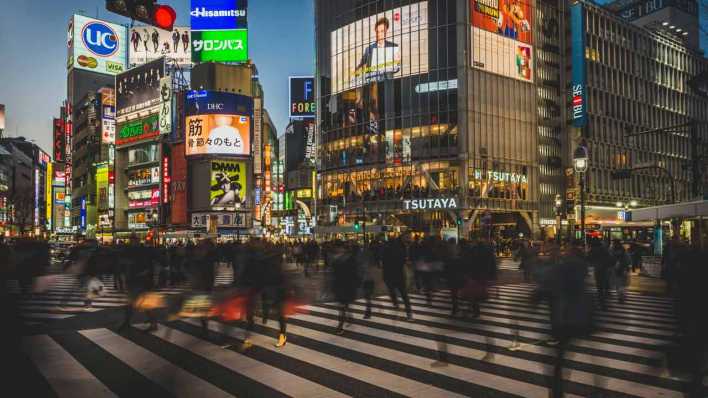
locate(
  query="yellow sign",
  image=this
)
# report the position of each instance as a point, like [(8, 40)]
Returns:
[(228, 183)]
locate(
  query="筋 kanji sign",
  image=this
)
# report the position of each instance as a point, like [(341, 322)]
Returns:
[(220, 46), (218, 135)]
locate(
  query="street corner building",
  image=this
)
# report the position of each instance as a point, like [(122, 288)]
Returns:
[(481, 103)]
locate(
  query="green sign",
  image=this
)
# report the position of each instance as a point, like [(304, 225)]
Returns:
[(220, 45), (138, 130)]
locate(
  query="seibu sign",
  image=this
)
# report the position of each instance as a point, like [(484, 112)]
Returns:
[(430, 204)]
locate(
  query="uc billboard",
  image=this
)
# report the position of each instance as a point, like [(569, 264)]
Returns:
[(96, 45)]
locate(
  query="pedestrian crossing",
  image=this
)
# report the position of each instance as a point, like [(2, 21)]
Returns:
[(65, 297), (507, 263), (503, 353)]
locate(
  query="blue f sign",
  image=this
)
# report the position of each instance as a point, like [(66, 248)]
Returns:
[(308, 89)]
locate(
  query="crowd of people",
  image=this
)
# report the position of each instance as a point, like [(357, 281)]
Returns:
[(354, 271)]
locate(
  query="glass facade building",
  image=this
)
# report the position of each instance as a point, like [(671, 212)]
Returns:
[(471, 99)]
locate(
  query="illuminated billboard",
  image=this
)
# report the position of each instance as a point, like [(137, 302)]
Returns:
[(502, 56), (139, 88), (148, 43), (502, 37), (205, 102), (218, 135), (220, 46), (578, 74), (96, 45), (228, 183), (508, 18), (138, 130), (387, 45), (218, 14), (302, 96)]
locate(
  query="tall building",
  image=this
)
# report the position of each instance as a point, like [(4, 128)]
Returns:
[(451, 115), (91, 66)]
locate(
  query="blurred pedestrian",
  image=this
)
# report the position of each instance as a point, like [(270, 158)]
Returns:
[(344, 279), (621, 269), (393, 258)]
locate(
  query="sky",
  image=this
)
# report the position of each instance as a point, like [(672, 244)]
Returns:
[(33, 55)]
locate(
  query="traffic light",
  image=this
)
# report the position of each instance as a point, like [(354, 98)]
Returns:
[(146, 11), (620, 174), (459, 221), (357, 227)]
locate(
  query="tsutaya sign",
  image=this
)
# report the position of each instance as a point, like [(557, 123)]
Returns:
[(430, 204), (500, 176)]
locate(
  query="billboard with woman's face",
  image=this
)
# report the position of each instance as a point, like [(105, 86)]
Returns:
[(387, 45)]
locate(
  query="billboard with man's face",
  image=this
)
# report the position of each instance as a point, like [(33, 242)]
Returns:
[(228, 183), (386, 45), (148, 43)]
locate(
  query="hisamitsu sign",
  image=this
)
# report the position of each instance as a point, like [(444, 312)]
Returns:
[(430, 204)]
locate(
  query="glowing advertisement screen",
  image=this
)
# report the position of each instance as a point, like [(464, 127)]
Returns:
[(218, 135), (502, 37), (387, 45)]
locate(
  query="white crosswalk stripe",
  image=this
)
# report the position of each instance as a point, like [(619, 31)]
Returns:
[(502, 353), (66, 296)]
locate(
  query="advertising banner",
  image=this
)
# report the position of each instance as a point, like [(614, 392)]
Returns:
[(508, 18), (218, 134), (220, 46), (387, 45), (96, 45), (502, 56), (148, 43), (166, 105), (257, 135), (178, 186), (138, 130), (147, 176), (139, 88), (144, 198), (58, 133), (302, 97), (578, 76), (218, 14), (224, 220), (204, 102), (108, 116), (228, 183), (2, 117), (102, 186)]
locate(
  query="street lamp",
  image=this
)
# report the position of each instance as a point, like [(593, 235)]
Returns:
[(558, 205), (580, 164)]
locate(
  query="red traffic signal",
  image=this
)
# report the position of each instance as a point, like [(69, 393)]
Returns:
[(145, 11), (164, 17)]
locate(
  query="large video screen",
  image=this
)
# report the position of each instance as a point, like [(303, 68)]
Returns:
[(388, 45), (502, 38), (218, 135)]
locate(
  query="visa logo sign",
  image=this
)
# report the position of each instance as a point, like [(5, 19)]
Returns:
[(100, 39)]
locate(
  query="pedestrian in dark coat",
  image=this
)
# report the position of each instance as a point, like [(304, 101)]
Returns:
[(345, 281), (394, 259)]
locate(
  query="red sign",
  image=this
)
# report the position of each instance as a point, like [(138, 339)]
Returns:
[(59, 142), (178, 180)]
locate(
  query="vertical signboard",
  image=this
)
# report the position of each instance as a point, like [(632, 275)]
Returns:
[(178, 186), (48, 197), (108, 115), (257, 135), (36, 196), (578, 83), (58, 133), (165, 105), (2, 118)]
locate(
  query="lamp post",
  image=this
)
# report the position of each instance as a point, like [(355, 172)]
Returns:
[(580, 164), (557, 205)]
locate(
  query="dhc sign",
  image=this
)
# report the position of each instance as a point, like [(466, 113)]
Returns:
[(430, 204)]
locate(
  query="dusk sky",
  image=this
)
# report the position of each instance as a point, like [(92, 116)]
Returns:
[(33, 48)]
